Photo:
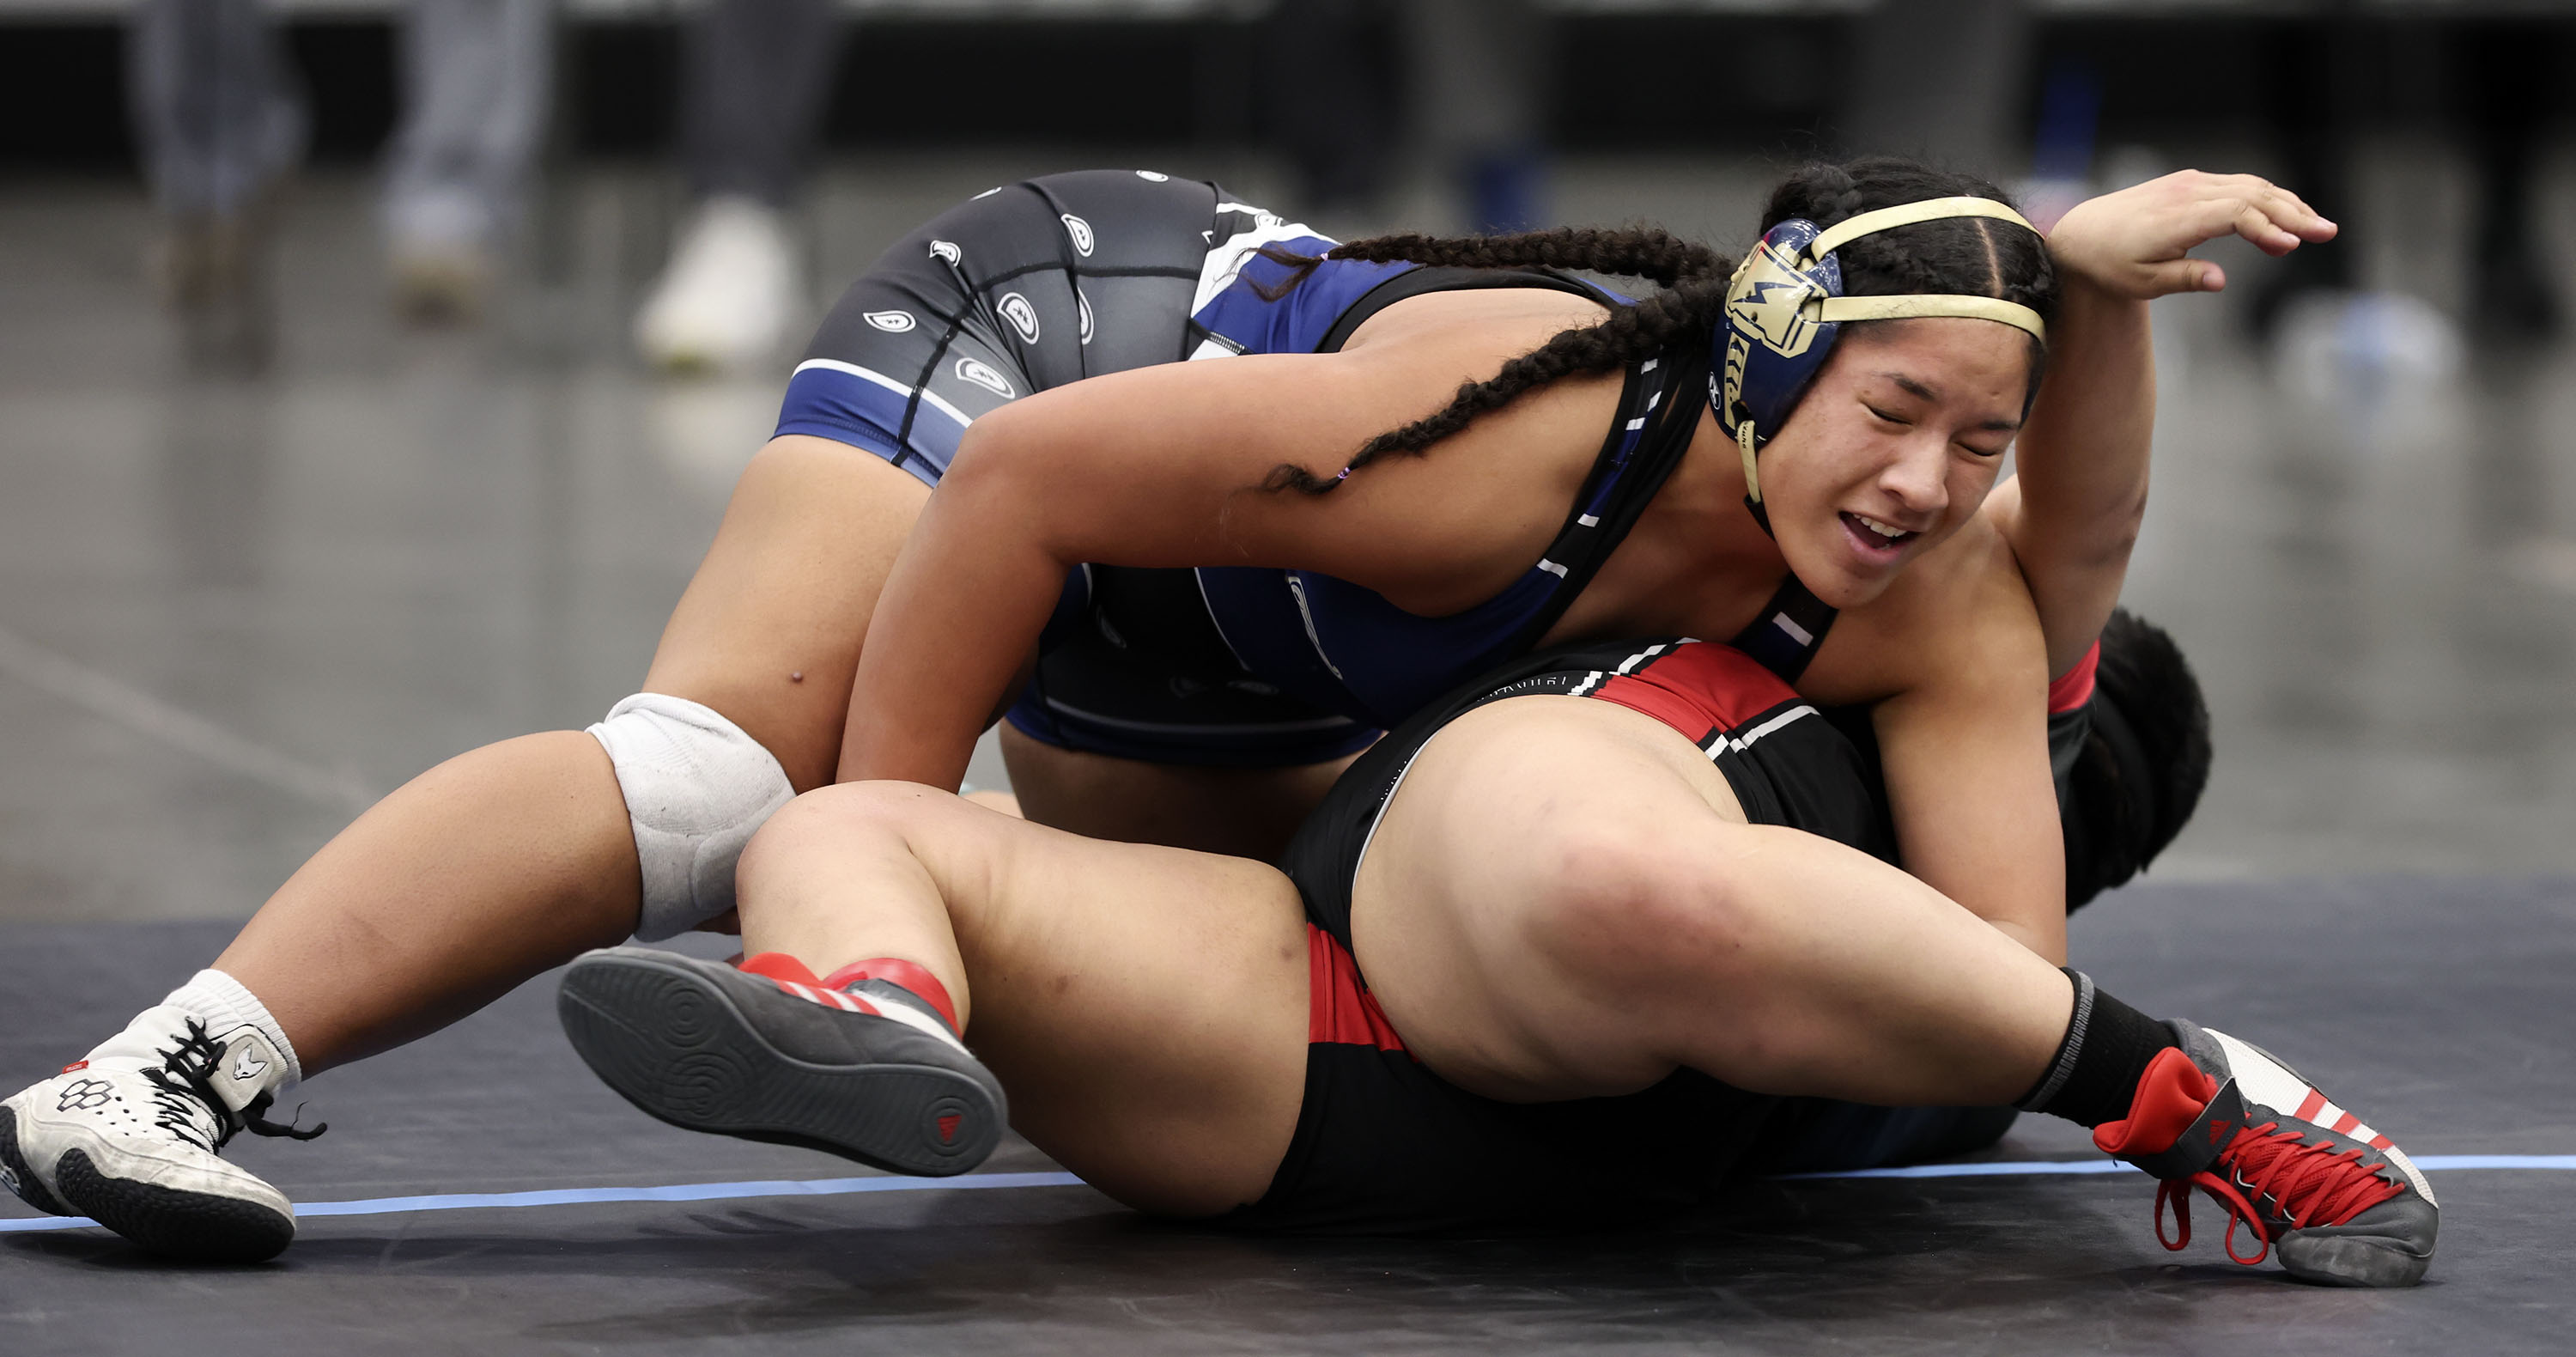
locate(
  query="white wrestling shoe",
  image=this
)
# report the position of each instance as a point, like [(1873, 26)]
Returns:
[(130, 1137), (728, 295)]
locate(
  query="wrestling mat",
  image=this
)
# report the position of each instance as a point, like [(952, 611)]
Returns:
[(481, 1192)]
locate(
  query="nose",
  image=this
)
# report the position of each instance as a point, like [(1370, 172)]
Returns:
[(1917, 477)]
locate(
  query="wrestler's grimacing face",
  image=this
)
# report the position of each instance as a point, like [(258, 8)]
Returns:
[(1893, 448)]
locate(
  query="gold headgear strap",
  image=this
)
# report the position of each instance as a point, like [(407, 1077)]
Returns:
[(1849, 229), (1833, 309), (1843, 232)]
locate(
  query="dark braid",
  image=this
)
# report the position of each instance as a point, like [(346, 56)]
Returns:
[(1636, 252), (1973, 255), (1683, 314)]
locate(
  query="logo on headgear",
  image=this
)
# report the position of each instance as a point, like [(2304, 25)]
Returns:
[(1152, 177), (982, 374), (1022, 316), (1085, 303), (1080, 230), (941, 249), (892, 322), (1769, 299)]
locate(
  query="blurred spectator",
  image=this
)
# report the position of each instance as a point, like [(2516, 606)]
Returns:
[(1472, 84), (753, 77), (221, 120), (475, 83), (1478, 75)]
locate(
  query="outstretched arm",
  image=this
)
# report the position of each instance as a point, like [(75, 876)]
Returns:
[(2073, 512)]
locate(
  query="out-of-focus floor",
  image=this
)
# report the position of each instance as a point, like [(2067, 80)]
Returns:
[(233, 609)]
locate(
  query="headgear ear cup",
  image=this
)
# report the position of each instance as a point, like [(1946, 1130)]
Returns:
[(1785, 308)]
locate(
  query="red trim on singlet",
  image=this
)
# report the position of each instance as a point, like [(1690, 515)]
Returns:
[(1339, 1009), (1697, 688), (2074, 688)]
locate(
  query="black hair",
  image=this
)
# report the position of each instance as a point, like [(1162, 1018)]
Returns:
[(2144, 764), (1974, 255)]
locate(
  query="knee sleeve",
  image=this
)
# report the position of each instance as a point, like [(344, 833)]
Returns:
[(696, 787)]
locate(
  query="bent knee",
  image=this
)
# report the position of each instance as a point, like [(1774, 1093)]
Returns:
[(841, 813)]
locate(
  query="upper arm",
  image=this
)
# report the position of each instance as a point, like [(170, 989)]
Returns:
[(1164, 466), (1964, 745)]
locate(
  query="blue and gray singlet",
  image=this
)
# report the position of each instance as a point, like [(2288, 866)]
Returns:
[(1046, 282)]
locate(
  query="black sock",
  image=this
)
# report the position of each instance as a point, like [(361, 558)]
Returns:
[(2106, 1051)]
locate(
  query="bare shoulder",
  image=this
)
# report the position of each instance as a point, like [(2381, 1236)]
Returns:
[(1958, 614)]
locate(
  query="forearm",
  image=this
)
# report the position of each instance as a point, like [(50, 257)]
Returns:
[(960, 614), (2083, 466)]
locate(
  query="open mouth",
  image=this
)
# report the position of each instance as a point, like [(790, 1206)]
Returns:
[(1876, 540)]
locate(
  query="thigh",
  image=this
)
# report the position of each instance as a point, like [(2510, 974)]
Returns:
[(1245, 812), (1145, 1006), (768, 632), (1502, 827)]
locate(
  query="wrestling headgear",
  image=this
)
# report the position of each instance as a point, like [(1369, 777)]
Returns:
[(1784, 306)]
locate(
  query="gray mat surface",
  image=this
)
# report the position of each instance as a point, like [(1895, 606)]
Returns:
[(2437, 1008)]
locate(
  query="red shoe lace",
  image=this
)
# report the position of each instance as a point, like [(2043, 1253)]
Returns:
[(2310, 1184)]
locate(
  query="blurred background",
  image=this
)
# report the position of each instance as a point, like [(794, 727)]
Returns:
[(373, 372)]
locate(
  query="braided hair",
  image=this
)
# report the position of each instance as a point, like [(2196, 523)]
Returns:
[(1972, 255)]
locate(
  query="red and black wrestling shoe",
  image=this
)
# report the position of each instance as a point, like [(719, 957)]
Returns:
[(2340, 1204), (855, 1065)]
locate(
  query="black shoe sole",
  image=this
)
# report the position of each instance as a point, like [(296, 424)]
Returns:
[(2351, 1261), (30, 1188), (196, 1226), (672, 1042)]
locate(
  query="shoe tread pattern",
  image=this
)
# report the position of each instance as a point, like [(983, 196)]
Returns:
[(677, 1045), (22, 1176), (200, 1227)]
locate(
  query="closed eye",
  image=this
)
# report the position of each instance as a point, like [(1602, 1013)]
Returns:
[(1897, 420)]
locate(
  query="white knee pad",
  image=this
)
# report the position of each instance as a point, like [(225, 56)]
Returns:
[(696, 787)]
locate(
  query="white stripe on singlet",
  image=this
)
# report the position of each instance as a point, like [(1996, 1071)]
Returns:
[(929, 398), (1740, 743)]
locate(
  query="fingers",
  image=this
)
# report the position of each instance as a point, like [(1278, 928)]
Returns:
[(2182, 275), (2271, 216)]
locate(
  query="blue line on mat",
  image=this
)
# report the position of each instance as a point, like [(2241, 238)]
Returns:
[(833, 1187), (678, 1192)]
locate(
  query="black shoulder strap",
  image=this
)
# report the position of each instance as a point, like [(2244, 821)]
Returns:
[(1582, 549), (1444, 278), (1785, 634)]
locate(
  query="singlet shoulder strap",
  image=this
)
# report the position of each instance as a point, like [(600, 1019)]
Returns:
[(1784, 635), (1445, 278)]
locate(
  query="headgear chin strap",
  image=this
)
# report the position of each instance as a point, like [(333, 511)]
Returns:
[(1785, 306)]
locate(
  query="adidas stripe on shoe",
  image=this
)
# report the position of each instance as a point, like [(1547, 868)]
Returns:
[(2338, 1202)]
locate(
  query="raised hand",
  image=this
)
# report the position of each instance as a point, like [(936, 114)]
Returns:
[(2135, 243)]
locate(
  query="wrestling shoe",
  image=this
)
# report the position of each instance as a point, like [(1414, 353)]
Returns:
[(2341, 1205), (132, 1137), (872, 1072)]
